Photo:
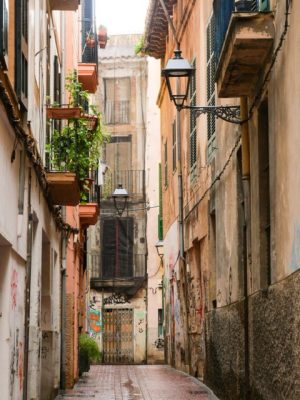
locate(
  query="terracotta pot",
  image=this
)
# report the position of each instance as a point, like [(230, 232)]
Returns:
[(90, 43), (102, 37), (63, 112)]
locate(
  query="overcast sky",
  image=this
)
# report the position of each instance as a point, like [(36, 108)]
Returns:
[(122, 16)]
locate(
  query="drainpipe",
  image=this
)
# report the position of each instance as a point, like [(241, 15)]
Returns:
[(181, 232), (247, 233), (27, 286)]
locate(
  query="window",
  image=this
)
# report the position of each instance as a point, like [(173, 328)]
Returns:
[(117, 248), (193, 125), (21, 69), (174, 146), (210, 79), (117, 101), (4, 32), (166, 164)]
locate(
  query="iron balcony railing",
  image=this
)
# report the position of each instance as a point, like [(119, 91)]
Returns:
[(223, 10), (131, 180), (138, 268)]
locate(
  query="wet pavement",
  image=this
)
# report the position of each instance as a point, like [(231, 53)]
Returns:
[(137, 382)]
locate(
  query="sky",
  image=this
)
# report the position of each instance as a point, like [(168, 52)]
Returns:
[(122, 16)]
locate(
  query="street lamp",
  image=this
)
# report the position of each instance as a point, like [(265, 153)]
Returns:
[(160, 249), (120, 196), (178, 67)]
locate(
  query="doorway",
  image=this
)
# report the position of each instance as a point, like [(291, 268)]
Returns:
[(118, 336)]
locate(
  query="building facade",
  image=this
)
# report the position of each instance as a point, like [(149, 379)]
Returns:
[(239, 195), (40, 219)]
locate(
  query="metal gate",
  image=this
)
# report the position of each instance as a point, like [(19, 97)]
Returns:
[(118, 336)]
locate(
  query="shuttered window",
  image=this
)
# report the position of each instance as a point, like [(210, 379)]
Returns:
[(21, 58), (3, 32), (210, 79), (117, 101), (193, 124), (117, 248)]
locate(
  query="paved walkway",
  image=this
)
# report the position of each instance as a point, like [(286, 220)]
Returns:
[(137, 382)]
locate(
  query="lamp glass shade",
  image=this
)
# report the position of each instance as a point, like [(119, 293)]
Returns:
[(120, 192), (178, 67), (160, 248)]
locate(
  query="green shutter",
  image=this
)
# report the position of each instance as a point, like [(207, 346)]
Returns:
[(264, 5)]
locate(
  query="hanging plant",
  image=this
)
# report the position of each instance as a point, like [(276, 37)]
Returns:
[(90, 40), (74, 148), (102, 36)]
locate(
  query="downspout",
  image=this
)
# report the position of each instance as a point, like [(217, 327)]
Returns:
[(246, 234), (27, 286)]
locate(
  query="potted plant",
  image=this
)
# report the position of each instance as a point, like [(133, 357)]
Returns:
[(90, 40), (102, 36), (88, 352), (74, 148)]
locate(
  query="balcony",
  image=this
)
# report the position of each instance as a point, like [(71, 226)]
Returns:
[(132, 180), (64, 5), (243, 46), (88, 76), (128, 284), (63, 188), (89, 211)]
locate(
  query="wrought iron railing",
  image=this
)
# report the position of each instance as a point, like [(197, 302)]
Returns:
[(222, 13), (138, 268), (131, 180)]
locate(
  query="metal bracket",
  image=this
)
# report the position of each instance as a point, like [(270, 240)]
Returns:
[(227, 113)]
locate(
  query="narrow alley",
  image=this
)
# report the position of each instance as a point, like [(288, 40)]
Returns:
[(137, 382)]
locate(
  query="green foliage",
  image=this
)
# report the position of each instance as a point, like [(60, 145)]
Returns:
[(75, 148), (88, 348), (139, 47)]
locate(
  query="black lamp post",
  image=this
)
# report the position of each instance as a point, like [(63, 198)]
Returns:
[(120, 196), (178, 67)]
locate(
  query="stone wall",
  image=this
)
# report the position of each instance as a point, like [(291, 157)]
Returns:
[(274, 344)]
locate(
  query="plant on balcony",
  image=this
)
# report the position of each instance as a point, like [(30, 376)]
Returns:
[(102, 36), (88, 352), (90, 40), (75, 148), (139, 48)]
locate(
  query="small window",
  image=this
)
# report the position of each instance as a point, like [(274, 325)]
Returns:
[(160, 322)]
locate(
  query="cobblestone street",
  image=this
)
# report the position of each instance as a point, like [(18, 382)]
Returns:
[(142, 382)]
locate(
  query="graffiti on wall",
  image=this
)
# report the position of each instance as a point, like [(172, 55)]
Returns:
[(94, 322), (116, 298), (159, 343)]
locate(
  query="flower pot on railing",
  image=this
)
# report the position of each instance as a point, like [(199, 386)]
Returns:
[(90, 41), (102, 36), (63, 112)]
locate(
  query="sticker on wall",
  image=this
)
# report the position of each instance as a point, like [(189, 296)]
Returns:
[(95, 322)]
